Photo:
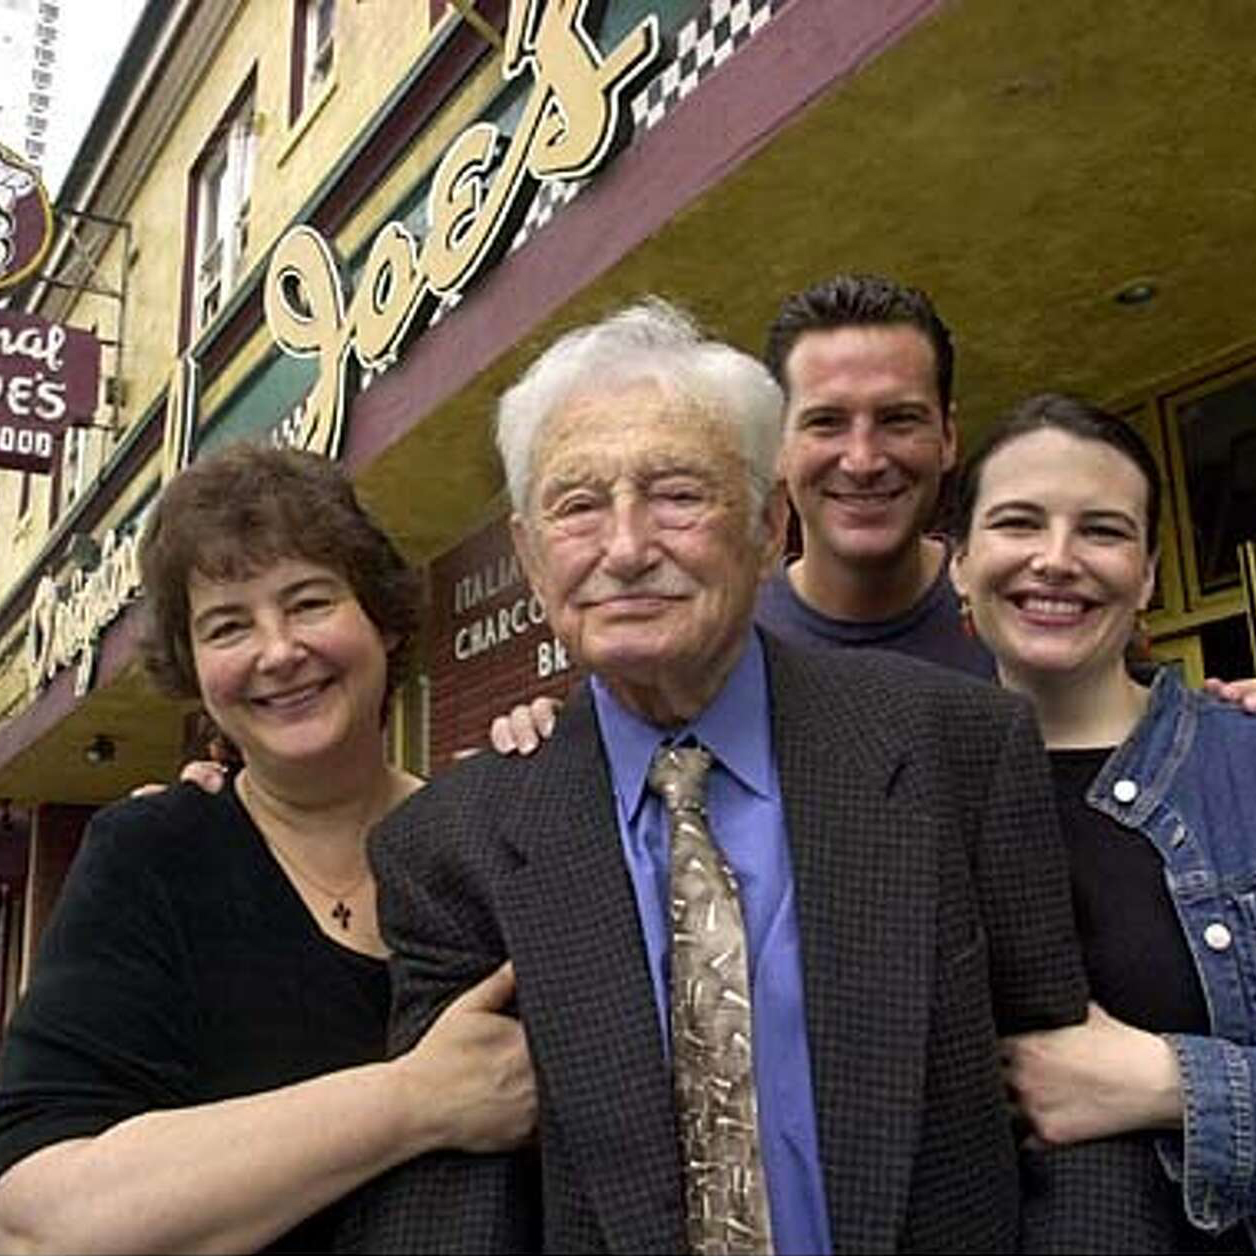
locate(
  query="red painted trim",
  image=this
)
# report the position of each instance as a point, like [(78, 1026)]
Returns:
[(118, 646), (92, 510), (233, 335)]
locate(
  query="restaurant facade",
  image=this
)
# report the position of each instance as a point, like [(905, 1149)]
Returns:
[(348, 226)]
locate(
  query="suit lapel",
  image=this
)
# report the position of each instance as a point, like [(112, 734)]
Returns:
[(865, 880), (865, 883), (570, 921)]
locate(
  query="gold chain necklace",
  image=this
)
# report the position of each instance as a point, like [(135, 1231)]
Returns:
[(341, 912)]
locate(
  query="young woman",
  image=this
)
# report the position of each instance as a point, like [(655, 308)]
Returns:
[(1059, 512), (199, 1064)]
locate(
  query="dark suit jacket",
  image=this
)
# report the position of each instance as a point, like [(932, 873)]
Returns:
[(934, 914)]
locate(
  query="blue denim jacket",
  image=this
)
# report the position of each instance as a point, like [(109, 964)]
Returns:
[(1186, 779)]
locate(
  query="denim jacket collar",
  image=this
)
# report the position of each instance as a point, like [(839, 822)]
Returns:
[(1137, 775)]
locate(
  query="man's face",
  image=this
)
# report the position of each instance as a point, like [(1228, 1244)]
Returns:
[(866, 441), (638, 539)]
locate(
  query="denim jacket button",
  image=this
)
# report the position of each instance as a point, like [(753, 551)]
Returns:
[(1125, 790), (1217, 936)]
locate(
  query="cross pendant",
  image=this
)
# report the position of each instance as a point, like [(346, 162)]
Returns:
[(341, 914)]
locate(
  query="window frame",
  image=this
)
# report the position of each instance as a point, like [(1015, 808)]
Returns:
[(1168, 602), (1196, 599), (219, 213), (313, 60)]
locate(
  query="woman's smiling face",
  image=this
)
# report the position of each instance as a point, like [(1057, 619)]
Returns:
[(290, 667), (1057, 562)]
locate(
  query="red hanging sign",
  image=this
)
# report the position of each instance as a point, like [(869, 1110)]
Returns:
[(49, 380)]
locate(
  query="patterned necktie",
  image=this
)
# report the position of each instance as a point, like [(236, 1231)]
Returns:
[(726, 1206)]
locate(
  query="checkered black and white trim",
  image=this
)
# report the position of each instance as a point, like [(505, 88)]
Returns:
[(702, 45)]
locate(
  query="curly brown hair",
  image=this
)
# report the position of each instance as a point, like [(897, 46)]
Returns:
[(231, 514)]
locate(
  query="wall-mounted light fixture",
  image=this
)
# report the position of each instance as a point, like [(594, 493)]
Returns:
[(101, 749)]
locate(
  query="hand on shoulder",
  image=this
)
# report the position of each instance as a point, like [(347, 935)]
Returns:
[(1242, 693), (525, 727), (205, 774)]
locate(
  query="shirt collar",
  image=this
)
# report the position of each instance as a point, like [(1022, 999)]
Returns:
[(735, 726)]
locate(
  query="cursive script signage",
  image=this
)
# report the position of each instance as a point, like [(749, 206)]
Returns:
[(49, 379), (25, 220), (574, 120), (64, 626)]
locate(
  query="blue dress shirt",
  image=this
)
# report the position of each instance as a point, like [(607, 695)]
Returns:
[(748, 823)]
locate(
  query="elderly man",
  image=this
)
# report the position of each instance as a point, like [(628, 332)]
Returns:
[(768, 912)]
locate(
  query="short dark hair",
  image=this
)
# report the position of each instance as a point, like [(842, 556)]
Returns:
[(234, 512), (860, 301), (1060, 412)]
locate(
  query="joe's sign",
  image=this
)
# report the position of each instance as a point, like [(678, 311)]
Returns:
[(575, 117), (49, 380)]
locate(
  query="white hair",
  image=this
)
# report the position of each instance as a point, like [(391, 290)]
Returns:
[(656, 343)]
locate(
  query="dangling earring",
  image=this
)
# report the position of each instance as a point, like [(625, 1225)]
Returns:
[(967, 626)]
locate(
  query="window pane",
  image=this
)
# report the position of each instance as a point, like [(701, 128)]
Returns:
[(324, 20), (1218, 434), (211, 204)]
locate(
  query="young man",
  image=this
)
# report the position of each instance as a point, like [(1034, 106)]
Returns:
[(866, 365)]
